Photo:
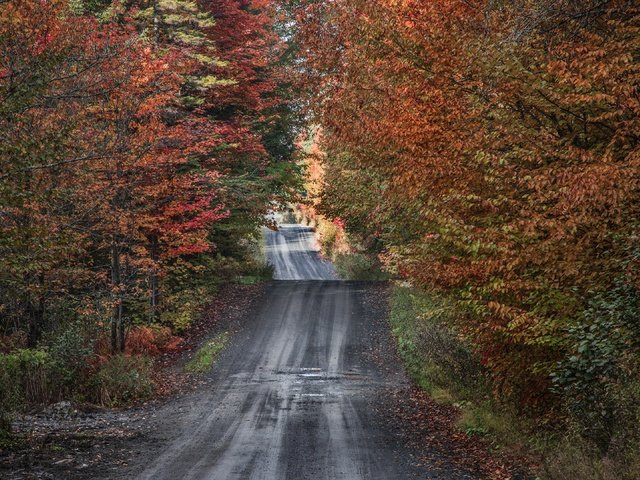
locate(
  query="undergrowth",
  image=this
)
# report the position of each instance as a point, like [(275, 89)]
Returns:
[(351, 261), (440, 362), (359, 266), (122, 380)]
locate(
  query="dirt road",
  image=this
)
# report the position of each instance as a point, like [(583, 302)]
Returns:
[(293, 252), (301, 391)]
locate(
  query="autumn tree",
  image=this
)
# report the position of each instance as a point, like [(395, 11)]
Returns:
[(47, 89), (498, 143), (130, 130)]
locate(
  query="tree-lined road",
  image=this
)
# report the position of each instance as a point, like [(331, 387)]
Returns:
[(294, 396)]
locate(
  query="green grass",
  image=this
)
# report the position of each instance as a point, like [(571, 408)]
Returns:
[(207, 355), (249, 279)]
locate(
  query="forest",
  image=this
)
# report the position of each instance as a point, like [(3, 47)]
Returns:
[(142, 145), (481, 157)]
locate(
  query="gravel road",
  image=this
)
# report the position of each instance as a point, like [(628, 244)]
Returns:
[(294, 254), (300, 391)]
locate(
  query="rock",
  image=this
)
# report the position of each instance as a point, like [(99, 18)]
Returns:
[(62, 409)]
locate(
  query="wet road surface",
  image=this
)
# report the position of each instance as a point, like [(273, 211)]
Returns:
[(293, 252), (296, 395)]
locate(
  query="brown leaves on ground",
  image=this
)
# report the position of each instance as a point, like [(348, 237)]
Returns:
[(431, 430)]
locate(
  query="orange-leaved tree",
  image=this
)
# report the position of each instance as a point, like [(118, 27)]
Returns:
[(503, 143)]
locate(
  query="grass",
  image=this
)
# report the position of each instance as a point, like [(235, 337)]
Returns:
[(123, 380), (207, 355), (359, 266), (439, 363), (255, 274), (249, 279)]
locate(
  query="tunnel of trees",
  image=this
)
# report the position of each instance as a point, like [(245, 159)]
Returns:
[(483, 155)]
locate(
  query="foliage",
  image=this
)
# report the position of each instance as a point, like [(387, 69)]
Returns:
[(71, 350), (575, 458), (436, 357), (26, 377), (488, 153), (90, 178), (600, 380), (256, 272), (359, 266), (122, 379), (151, 340), (493, 157), (141, 145), (182, 308)]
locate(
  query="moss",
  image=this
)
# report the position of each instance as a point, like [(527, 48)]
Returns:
[(206, 356)]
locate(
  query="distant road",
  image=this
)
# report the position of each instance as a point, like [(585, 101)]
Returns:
[(293, 252)]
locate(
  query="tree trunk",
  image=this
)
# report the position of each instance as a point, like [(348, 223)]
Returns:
[(153, 281), (36, 314), (156, 22), (36, 320), (116, 318), (121, 330)]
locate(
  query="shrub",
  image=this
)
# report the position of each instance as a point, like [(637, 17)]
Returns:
[(436, 357), (289, 217), (328, 236), (576, 458), (71, 350), (15, 341), (255, 272), (10, 394), (190, 285), (183, 307), (600, 380), (123, 379), (25, 377), (359, 266), (151, 340)]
